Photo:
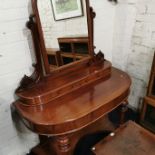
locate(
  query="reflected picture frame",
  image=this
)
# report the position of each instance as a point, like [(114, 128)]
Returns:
[(65, 9)]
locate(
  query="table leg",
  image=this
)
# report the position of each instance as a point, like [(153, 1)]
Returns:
[(62, 145), (124, 109)]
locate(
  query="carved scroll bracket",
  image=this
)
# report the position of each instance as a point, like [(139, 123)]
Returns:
[(99, 57), (28, 82)]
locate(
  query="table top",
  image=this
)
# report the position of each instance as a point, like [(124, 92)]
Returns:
[(129, 139), (76, 110)]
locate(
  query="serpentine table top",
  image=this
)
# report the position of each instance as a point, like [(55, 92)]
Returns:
[(76, 110)]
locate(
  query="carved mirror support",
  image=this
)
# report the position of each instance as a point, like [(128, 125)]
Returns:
[(81, 47)]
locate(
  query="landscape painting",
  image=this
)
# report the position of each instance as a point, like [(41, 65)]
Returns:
[(64, 9)]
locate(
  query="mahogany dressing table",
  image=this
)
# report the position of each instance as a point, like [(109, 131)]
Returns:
[(70, 101)]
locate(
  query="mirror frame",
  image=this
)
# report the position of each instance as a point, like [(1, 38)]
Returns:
[(41, 66), (34, 24)]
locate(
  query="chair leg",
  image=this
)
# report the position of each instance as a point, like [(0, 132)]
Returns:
[(142, 114)]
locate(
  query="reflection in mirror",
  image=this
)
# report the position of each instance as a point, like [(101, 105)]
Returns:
[(65, 30)]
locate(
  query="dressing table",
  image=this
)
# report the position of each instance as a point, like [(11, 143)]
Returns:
[(66, 102)]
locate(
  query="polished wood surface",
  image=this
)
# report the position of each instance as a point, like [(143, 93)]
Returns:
[(73, 39), (77, 109), (52, 87), (130, 139)]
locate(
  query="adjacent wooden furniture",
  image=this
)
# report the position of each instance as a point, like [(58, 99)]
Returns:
[(148, 109), (71, 49), (151, 86), (54, 58), (67, 103), (129, 139)]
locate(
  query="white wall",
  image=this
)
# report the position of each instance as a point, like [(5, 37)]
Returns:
[(124, 23), (55, 29), (15, 61), (143, 47), (134, 43), (104, 26)]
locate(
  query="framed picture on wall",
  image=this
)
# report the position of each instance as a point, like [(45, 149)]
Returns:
[(64, 9)]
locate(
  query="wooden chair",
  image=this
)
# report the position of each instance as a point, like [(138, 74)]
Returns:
[(129, 139)]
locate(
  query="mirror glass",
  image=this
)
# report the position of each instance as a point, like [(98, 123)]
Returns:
[(65, 30)]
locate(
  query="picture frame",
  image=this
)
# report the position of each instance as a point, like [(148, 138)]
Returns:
[(65, 9)]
